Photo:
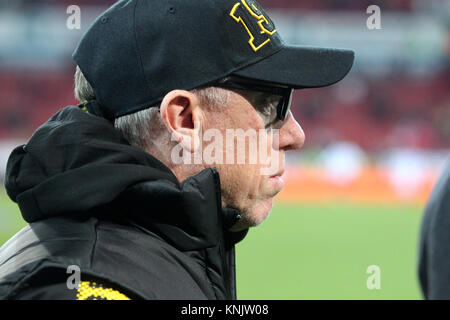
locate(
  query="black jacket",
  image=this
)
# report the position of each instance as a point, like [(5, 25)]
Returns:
[(434, 250), (117, 213)]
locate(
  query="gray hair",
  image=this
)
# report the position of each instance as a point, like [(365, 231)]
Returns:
[(144, 127), (83, 89)]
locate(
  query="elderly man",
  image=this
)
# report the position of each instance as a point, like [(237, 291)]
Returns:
[(142, 191)]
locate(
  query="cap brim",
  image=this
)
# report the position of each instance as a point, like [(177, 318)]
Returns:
[(302, 67)]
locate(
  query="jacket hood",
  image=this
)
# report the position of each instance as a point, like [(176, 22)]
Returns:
[(77, 164)]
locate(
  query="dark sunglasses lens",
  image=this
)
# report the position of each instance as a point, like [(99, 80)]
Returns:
[(284, 106)]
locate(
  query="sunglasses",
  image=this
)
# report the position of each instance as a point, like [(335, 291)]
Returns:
[(284, 93)]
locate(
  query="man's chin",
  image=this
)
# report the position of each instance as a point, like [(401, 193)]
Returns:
[(255, 216)]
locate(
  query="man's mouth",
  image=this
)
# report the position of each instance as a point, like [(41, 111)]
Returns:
[(277, 179), (279, 173)]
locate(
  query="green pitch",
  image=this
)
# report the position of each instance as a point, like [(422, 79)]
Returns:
[(323, 252), (315, 251), (10, 219)]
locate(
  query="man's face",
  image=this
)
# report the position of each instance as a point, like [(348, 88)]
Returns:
[(251, 186)]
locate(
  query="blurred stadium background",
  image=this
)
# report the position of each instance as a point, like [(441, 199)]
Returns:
[(375, 145)]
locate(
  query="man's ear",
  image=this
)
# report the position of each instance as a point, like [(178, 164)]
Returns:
[(182, 115)]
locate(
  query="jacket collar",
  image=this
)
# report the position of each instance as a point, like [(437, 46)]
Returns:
[(188, 216)]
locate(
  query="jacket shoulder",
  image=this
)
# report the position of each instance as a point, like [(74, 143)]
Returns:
[(117, 255), (48, 244)]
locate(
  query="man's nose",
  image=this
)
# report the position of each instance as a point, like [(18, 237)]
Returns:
[(291, 135)]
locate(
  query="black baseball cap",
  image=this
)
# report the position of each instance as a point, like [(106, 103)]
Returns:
[(139, 50)]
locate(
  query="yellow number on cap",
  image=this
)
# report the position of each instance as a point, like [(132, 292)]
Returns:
[(261, 19)]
